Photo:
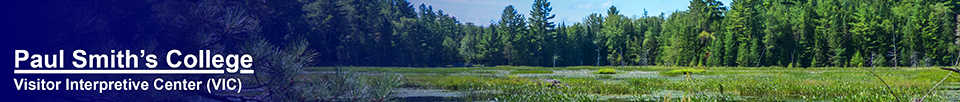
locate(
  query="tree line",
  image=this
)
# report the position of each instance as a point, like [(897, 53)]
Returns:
[(287, 36), (748, 33)]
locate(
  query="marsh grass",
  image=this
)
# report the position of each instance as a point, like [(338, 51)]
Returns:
[(604, 76), (485, 71), (686, 71), (738, 84), (530, 71)]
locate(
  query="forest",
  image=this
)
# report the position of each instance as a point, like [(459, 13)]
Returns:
[(370, 50), (747, 33)]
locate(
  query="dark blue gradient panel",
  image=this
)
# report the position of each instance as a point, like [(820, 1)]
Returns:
[(123, 50)]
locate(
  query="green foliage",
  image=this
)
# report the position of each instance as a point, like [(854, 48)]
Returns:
[(617, 30), (749, 33), (686, 71), (485, 71), (647, 81), (536, 93), (542, 34), (532, 72), (604, 77), (857, 60), (607, 71), (513, 33)]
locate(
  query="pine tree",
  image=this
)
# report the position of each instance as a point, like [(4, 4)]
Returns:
[(512, 31), (541, 29)]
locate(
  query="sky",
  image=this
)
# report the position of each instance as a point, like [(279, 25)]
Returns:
[(484, 12)]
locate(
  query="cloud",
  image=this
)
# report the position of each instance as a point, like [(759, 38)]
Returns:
[(606, 4), (583, 6), (592, 5)]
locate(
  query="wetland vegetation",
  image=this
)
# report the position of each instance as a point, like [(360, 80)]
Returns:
[(650, 83)]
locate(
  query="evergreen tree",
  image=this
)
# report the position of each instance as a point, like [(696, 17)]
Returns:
[(541, 28), (512, 31)]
